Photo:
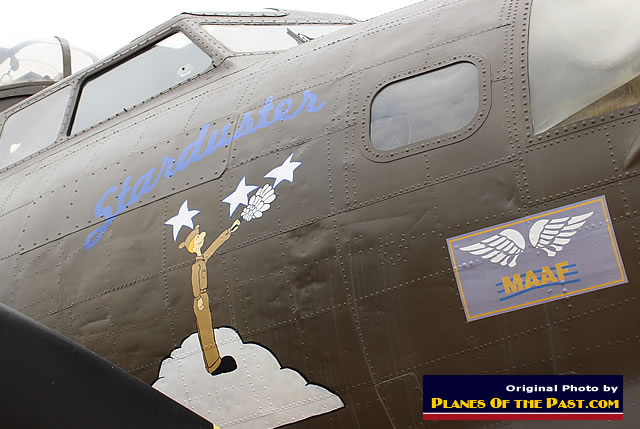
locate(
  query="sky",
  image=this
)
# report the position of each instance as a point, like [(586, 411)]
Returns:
[(104, 27)]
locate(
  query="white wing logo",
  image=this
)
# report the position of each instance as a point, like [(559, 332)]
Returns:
[(502, 248), (550, 235)]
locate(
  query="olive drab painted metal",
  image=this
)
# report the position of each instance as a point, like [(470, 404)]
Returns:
[(343, 287)]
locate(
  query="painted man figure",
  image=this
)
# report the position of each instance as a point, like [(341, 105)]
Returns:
[(193, 243)]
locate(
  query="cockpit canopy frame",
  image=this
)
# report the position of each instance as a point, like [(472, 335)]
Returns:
[(188, 24)]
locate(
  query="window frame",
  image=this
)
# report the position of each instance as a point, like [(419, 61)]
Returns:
[(76, 81), (271, 17), (230, 52), (455, 136), (117, 60), (19, 107)]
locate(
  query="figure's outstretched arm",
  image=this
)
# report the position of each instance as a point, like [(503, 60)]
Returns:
[(224, 236)]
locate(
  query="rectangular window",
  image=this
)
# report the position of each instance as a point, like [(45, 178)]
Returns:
[(259, 38), (424, 106), (165, 64), (33, 128)]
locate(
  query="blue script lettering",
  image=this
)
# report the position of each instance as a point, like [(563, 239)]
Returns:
[(246, 127), (268, 106), (96, 234), (193, 153), (168, 172)]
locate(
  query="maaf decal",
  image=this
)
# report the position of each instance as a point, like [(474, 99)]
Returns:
[(570, 250), (558, 275)]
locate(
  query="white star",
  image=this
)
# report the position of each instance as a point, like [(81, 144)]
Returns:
[(239, 196), (183, 218), (284, 172)]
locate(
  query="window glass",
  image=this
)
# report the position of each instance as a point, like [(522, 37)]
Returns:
[(584, 59), (33, 128), (81, 59), (166, 64), (32, 60), (424, 106), (257, 38), (39, 60)]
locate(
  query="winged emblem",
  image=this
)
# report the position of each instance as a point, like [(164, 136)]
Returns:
[(260, 202), (550, 235)]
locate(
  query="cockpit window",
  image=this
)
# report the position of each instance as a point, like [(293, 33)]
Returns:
[(260, 38), (584, 59), (33, 128), (424, 106), (39, 60), (30, 61), (165, 64)]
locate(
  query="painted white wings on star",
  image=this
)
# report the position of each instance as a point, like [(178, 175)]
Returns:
[(550, 235), (502, 248), (259, 203)]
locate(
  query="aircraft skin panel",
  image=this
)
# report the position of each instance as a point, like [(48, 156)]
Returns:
[(346, 277), (400, 394)]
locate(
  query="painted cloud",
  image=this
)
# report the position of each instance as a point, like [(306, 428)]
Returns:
[(258, 394)]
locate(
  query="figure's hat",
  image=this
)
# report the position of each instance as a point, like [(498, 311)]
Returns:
[(190, 237)]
